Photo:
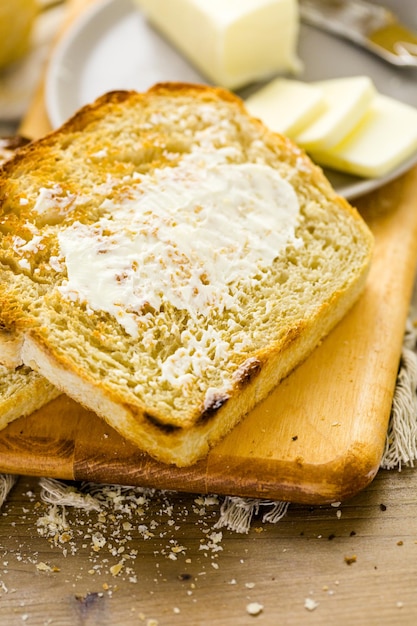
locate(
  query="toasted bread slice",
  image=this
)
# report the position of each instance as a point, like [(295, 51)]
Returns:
[(166, 260)]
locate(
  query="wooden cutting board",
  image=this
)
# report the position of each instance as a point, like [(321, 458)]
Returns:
[(317, 438)]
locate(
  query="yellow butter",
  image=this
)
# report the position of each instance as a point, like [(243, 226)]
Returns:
[(385, 137), (286, 106), (346, 100), (232, 42)]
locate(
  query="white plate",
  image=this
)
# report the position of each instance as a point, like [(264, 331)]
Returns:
[(111, 46)]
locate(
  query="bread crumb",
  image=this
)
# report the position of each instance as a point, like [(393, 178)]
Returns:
[(254, 608), (350, 559), (116, 569), (43, 567), (310, 604)]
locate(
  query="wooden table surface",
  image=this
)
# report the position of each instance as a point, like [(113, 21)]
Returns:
[(159, 560), (356, 564)]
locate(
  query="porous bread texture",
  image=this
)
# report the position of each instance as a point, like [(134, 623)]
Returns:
[(229, 358), (22, 391)]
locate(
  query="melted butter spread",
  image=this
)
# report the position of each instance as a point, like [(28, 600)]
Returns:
[(182, 235)]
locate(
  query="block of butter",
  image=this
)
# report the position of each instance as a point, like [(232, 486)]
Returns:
[(386, 136), (231, 42), (346, 101), (286, 106)]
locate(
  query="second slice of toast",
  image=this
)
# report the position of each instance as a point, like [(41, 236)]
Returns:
[(22, 391)]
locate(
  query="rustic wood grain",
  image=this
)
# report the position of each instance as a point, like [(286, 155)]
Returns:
[(317, 438), (305, 555)]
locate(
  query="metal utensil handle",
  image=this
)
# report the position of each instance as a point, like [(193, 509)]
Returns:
[(359, 21)]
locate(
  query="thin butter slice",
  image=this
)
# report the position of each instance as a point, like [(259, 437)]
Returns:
[(385, 137), (346, 101), (286, 106), (232, 43)]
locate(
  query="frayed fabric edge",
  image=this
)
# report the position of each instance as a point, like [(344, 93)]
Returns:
[(236, 513), (7, 482), (401, 441)]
